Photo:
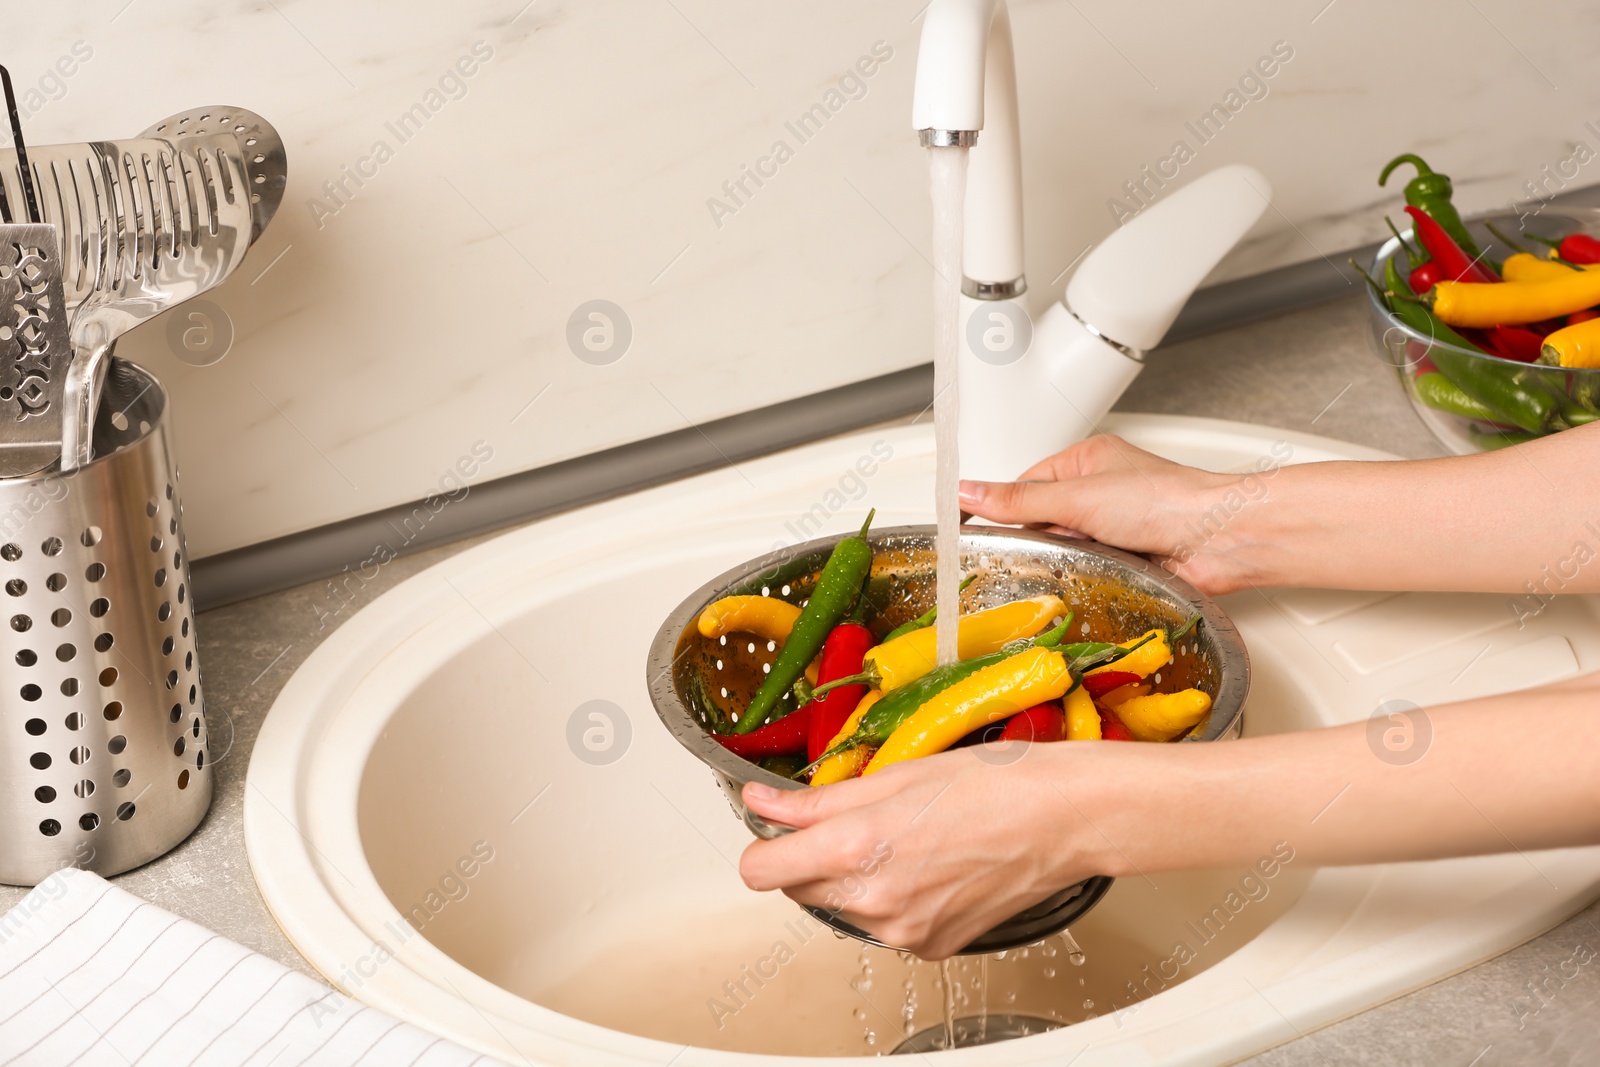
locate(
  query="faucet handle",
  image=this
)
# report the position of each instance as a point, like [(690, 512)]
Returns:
[(1132, 286)]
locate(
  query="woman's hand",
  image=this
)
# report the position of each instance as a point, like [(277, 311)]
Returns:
[(1109, 490), (926, 855)]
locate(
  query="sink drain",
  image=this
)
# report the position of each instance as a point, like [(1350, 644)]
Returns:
[(974, 1030)]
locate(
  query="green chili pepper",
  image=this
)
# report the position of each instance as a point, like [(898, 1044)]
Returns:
[(836, 590), (1440, 393), (926, 619), (1431, 192)]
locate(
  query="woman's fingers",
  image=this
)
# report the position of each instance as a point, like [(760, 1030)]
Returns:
[(803, 807), (1020, 503)]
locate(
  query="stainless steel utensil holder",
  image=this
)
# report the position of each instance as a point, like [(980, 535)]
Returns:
[(103, 746)]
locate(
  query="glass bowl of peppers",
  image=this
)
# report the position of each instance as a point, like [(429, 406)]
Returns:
[(763, 670), (1492, 322)]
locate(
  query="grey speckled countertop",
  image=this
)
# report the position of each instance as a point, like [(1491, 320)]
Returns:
[(1311, 371)]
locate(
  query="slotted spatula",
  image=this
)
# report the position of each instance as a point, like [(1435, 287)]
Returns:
[(145, 224)]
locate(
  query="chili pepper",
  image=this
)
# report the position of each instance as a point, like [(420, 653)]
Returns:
[(1508, 391), (847, 762), (837, 588), (1491, 442), (1114, 699), (910, 656), (1453, 260), (1579, 248), (987, 695), (927, 617), (1164, 716), (1574, 346), (1582, 316), (1440, 393), (887, 714), (1527, 267), (1102, 682), (784, 737), (1152, 654), (1083, 718), (841, 655), (763, 616), (1516, 343), (1431, 192), (1510, 303), (1111, 727), (1042, 722), (1425, 277)]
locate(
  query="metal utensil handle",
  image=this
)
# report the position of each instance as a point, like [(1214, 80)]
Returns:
[(22, 148)]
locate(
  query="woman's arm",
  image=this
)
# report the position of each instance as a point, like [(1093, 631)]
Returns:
[(930, 853), (1485, 523)]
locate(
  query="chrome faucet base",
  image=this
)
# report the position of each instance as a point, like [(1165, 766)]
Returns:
[(994, 290), (947, 138)]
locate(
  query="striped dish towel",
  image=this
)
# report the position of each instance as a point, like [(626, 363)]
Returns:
[(92, 975)]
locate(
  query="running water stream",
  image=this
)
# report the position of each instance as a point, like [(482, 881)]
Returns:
[(947, 169)]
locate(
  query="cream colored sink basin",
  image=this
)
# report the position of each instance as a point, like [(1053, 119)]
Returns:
[(463, 810)]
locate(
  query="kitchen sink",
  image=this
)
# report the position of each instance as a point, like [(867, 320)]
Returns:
[(463, 810)]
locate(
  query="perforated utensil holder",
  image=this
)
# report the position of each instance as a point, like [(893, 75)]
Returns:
[(104, 761)]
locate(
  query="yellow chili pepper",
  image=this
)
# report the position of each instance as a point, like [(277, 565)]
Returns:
[(1125, 692), (1144, 660), (1513, 303), (910, 656), (846, 764), (1527, 267), (994, 693), (765, 617), (1083, 720), (1573, 346), (1163, 716)]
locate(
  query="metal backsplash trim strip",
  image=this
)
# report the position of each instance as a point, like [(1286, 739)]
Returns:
[(327, 550)]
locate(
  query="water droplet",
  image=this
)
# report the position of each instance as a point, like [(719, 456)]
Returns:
[(1088, 1005), (1000, 955), (1047, 950), (1076, 959), (860, 1014), (1049, 972)]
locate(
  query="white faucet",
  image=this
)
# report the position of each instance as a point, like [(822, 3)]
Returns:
[(1031, 386)]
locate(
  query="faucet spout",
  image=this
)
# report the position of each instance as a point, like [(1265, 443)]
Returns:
[(966, 82)]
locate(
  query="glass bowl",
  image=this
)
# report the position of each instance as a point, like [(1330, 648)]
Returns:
[(1571, 395), (1111, 592)]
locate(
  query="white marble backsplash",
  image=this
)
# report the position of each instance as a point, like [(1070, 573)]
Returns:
[(740, 180)]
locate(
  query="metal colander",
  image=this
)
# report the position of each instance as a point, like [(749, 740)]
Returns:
[(1113, 594), (102, 725)]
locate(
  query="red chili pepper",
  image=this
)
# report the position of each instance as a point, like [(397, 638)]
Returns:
[(1103, 682), (841, 654), (1516, 343), (1111, 728), (1424, 277), (786, 737), (1582, 316), (1455, 264), (1042, 722), (1579, 248)]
